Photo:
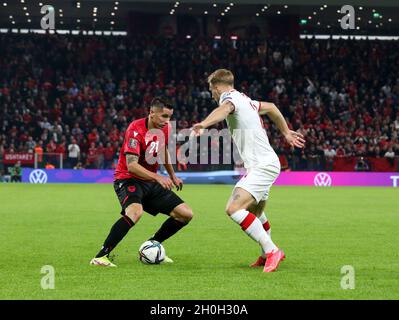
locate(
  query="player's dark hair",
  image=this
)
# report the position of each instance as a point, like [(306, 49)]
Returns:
[(161, 102)]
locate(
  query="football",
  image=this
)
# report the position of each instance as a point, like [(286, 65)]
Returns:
[(151, 252)]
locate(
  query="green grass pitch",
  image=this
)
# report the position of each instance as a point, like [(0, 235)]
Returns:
[(320, 229)]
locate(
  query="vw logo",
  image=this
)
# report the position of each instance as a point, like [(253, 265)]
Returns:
[(322, 179), (38, 176)]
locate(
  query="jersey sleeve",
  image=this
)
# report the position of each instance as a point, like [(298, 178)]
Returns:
[(255, 104), (228, 96), (133, 142)]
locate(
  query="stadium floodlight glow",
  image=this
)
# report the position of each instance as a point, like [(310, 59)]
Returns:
[(29, 20), (285, 6), (278, 12), (22, 1), (60, 10), (390, 20), (78, 20), (94, 14), (112, 22), (205, 12), (116, 3), (215, 5), (10, 17), (360, 8), (5, 4), (231, 4), (325, 6), (27, 13), (61, 15), (112, 13), (40, 4), (25, 8), (188, 36), (95, 9), (115, 8), (222, 14), (95, 20), (257, 14), (314, 13), (263, 9)]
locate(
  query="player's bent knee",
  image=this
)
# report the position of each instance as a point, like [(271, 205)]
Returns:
[(134, 212), (183, 213), (231, 209)]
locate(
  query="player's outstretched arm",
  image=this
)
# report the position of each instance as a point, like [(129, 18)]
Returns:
[(216, 116), (138, 170), (295, 139)]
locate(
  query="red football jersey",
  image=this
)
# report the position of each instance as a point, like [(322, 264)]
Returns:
[(147, 144)]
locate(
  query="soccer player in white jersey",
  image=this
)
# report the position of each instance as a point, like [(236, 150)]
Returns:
[(247, 202)]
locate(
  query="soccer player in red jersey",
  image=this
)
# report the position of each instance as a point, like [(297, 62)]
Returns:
[(138, 186)]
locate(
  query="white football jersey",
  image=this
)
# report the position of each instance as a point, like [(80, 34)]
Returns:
[(246, 128)]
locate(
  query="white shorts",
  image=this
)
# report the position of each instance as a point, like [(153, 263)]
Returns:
[(258, 181)]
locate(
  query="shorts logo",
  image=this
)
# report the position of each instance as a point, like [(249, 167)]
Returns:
[(132, 143), (322, 179), (131, 189)]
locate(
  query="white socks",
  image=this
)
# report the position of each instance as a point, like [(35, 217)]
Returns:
[(254, 228), (265, 223)]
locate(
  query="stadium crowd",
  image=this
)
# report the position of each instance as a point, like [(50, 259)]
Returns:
[(76, 95)]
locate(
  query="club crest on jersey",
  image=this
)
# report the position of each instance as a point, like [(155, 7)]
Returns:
[(132, 143)]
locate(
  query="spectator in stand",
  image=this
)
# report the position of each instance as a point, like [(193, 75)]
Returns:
[(73, 153), (360, 99), (91, 156), (16, 172), (362, 165), (109, 152), (390, 155), (329, 154), (39, 153)]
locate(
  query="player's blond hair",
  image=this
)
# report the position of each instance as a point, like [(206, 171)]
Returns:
[(221, 76)]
